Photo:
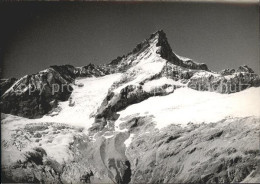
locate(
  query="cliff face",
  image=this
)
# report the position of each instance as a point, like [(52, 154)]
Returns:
[(35, 95), (149, 116)]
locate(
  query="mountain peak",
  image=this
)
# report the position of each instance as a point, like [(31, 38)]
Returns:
[(159, 33), (156, 39), (157, 42), (165, 49)]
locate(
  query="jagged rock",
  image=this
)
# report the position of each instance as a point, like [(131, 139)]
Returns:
[(236, 82), (166, 52), (177, 72), (116, 61), (245, 68), (225, 72), (92, 70), (86, 177), (32, 95), (5, 84)]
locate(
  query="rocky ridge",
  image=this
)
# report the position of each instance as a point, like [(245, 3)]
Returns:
[(5, 84), (35, 95)]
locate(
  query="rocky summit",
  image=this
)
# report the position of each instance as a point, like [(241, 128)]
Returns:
[(150, 116)]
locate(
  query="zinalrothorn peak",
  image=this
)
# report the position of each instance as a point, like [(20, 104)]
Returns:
[(92, 124), (32, 95)]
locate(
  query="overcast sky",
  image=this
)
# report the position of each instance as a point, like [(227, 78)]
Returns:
[(37, 35)]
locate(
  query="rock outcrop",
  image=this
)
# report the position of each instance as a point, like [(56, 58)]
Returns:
[(197, 153), (230, 82), (129, 95), (5, 84), (34, 95)]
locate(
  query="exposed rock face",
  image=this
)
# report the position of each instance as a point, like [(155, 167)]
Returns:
[(225, 72), (245, 68), (196, 154), (33, 95), (164, 50), (235, 82), (93, 70), (131, 94), (5, 84)]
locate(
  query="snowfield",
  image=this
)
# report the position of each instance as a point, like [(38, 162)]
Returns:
[(85, 100), (56, 139), (186, 105), (183, 106), (20, 135)]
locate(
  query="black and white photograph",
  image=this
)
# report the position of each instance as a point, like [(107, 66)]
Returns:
[(130, 92)]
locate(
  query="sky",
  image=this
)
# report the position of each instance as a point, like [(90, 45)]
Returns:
[(34, 36)]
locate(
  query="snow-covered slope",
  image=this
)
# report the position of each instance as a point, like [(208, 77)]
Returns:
[(190, 106), (87, 95), (29, 134)]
